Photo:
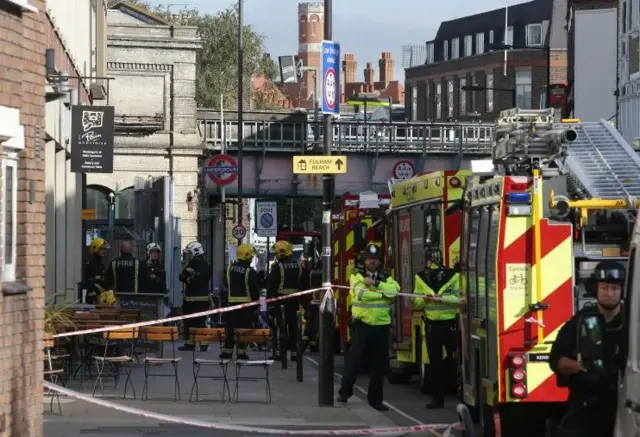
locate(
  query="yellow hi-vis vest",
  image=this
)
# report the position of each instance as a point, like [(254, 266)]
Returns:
[(448, 308), (368, 303)]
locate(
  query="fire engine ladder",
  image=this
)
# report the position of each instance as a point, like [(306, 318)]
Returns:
[(601, 164)]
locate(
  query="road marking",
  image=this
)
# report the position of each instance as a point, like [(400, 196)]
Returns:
[(391, 407)]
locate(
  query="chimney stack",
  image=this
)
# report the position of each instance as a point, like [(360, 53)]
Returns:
[(386, 68), (349, 68), (369, 73)]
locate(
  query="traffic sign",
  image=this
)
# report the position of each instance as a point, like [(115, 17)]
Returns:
[(239, 232), (266, 218), (331, 77), (306, 164), (404, 169), (222, 169)]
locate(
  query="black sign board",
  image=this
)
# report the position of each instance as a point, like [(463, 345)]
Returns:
[(151, 308), (92, 131)]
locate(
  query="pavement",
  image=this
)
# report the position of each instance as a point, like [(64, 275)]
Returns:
[(294, 405)]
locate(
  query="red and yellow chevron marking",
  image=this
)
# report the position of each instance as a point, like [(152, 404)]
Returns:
[(452, 223), (515, 294)]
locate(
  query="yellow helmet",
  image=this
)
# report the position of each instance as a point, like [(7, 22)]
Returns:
[(283, 249), (97, 244), (107, 298), (244, 252)]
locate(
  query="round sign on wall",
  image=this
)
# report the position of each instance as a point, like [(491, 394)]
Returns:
[(404, 169), (218, 171), (239, 232)]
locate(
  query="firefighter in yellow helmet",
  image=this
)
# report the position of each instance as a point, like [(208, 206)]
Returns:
[(285, 277), (94, 270), (441, 304), (242, 286)]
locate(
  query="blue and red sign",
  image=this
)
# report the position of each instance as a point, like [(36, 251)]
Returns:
[(222, 169)]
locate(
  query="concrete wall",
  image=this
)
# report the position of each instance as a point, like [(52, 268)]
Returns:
[(22, 42)]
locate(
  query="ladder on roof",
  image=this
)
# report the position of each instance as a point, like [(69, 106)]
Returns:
[(602, 162)]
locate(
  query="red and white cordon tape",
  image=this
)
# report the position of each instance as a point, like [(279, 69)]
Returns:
[(250, 429), (186, 316), (411, 295)]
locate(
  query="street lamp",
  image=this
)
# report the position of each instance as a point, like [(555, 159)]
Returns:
[(514, 102), (546, 49)]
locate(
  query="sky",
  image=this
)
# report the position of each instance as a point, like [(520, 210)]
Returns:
[(363, 27)]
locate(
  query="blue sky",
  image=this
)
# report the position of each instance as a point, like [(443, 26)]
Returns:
[(363, 27)]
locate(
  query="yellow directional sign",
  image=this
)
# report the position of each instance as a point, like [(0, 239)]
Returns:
[(319, 164)]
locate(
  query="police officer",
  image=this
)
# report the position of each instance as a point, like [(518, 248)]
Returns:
[(126, 274), (372, 292), (94, 270), (285, 277), (195, 276), (441, 305), (157, 275), (242, 285), (592, 394)]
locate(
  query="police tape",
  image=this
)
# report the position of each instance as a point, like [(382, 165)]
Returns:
[(411, 295), (187, 316), (250, 429)]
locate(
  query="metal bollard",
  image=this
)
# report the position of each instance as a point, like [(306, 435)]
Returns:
[(299, 349), (282, 340)]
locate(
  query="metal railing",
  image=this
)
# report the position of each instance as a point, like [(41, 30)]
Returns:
[(351, 136)]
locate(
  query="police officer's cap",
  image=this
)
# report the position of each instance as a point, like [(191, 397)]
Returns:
[(372, 251)]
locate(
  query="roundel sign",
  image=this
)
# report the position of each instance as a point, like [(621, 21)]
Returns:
[(239, 232), (330, 88), (404, 169), (222, 169)]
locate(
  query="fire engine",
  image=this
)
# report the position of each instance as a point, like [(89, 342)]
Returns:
[(526, 253), (422, 222)]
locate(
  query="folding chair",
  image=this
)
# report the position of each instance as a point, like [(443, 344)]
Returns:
[(51, 373), (161, 334), (197, 335), (112, 341), (259, 337)]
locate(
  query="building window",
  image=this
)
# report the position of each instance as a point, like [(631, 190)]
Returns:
[(479, 43), (509, 36), (523, 89), (534, 35), (491, 37), (414, 102), (427, 109), (468, 45), (9, 208), (313, 28), (438, 100), (472, 94), (455, 48), (303, 26), (489, 94), (430, 53), (450, 99), (463, 96), (445, 49)]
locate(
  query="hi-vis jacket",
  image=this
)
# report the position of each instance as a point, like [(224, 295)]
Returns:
[(286, 277), (445, 284), (241, 283), (370, 304)]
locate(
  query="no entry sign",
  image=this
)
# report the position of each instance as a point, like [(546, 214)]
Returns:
[(222, 169)]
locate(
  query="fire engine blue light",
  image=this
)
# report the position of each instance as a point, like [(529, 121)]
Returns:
[(519, 197)]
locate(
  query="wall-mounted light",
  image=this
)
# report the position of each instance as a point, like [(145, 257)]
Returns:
[(189, 201)]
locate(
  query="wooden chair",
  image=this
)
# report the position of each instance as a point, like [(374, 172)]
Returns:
[(161, 334), (209, 335), (113, 341), (51, 371), (259, 337)]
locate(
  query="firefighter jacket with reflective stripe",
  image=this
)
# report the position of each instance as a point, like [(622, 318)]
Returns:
[(94, 277), (371, 304), (285, 277), (127, 274), (242, 283), (157, 278), (197, 282), (445, 284)]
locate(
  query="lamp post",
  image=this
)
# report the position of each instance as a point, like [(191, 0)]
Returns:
[(240, 107), (546, 49), (514, 99)]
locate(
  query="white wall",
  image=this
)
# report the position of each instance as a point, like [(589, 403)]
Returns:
[(75, 22)]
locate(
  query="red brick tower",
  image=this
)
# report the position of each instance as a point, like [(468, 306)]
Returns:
[(310, 36)]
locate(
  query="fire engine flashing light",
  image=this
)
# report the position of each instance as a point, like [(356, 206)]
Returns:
[(455, 182), (519, 197), (518, 375), (519, 391), (519, 210), (517, 360)]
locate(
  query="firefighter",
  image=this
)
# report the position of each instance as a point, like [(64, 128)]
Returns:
[(126, 274), (441, 305), (592, 394), (285, 277), (195, 276), (157, 274), (243, 286), (94, 270), (372, 292), (311, 327)]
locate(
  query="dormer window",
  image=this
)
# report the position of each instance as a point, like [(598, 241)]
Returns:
[(455, 48), (534, 35), (468, 45), (445, 49)]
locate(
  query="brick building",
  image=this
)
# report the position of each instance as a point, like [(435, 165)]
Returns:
[(385, 85), (460, 56), (22, 115)]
